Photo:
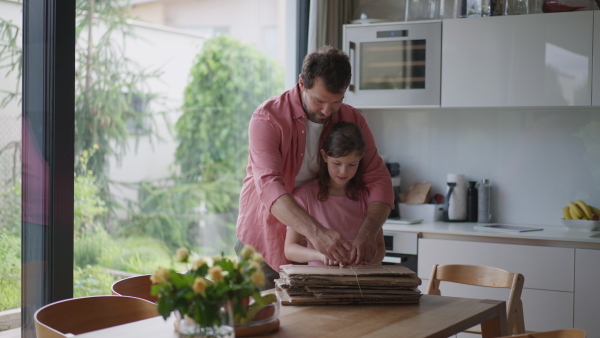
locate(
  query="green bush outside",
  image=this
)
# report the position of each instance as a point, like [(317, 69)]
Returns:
[(10, 270)]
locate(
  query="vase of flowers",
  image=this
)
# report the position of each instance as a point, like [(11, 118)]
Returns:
[(207, 298)]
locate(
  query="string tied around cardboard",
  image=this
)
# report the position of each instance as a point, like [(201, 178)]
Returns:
[(358, 281)]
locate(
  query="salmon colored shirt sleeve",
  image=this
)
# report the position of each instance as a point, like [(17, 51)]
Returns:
[(277, 139)]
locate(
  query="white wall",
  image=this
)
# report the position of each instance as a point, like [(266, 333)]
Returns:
[(537, 159)]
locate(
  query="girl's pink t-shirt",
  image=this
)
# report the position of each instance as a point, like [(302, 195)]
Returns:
[(338, 213)]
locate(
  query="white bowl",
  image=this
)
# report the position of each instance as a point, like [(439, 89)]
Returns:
[(581, 224)]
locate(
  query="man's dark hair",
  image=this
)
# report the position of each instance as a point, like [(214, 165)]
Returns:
[(344, 138), (332, 65)]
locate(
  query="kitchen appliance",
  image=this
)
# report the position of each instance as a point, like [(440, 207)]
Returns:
[(401, 249), (394, 64), (455, 202)]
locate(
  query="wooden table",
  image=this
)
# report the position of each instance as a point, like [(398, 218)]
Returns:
[(435, 316)]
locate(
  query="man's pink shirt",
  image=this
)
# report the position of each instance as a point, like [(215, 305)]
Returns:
[(277, 139)]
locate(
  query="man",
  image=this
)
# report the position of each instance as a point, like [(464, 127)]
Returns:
[(285, 135)]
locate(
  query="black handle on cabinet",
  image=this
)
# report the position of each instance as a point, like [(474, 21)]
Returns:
[(352, 56)]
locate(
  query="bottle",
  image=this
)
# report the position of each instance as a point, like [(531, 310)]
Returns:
[(462, 9), (472, 200), (484, 202)]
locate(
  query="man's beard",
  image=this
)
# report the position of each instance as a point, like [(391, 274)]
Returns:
[(313, 116)]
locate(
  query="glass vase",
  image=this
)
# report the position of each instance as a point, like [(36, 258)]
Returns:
[(187, 327)]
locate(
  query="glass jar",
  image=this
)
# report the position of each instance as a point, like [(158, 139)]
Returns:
[(423, 9), (187, 327), (515, 7), (469, 8)]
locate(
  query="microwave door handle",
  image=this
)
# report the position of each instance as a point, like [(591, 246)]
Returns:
[(352, 56)]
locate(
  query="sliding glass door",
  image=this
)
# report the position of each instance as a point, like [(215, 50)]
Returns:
[(134, 134)]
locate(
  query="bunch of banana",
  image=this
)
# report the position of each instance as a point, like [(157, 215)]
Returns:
[(580, 210)]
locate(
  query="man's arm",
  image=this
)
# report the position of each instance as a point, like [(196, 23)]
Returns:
[(365, 242), (380, 251), (326, 241)]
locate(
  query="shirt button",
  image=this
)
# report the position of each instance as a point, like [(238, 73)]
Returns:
[(303, 132), (301, 154)]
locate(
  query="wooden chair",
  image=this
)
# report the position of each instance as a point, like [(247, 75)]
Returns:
[(79, 315), (137, 286), (485, 276), (565, 333)]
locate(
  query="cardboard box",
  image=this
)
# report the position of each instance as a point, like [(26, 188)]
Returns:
[(427, 212)]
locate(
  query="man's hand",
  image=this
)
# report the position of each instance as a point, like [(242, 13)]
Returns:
[(331, 244), (364, 247)]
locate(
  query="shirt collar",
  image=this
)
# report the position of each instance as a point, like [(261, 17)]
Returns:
[(297, 102)]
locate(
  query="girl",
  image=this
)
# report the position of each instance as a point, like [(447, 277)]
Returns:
[(336, 198)]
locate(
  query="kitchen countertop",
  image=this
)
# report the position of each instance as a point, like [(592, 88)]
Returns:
[(550, 235)]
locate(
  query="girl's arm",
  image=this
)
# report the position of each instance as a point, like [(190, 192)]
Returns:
[(296, 251)]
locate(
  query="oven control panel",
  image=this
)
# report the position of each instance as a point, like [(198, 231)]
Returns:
[(401, 242)]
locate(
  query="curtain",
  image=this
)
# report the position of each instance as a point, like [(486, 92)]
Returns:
[(325, 22)]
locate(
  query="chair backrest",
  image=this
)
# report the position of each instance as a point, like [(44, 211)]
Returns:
[(79, 315), (565, 333), (486, 276), (137, 286)]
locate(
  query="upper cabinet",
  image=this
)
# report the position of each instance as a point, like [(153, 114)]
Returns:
[(526, 60)]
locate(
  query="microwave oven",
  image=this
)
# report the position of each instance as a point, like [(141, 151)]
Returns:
[(394, 64)]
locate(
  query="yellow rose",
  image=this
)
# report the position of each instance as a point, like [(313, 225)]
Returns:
[(182, 255), (198, 264), (247, 251), (258, 278), (160, 276), (216, 273), (255, 265), (199, 285), (258, 257)]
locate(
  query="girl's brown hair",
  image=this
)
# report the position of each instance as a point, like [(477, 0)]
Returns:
[(343, 139)]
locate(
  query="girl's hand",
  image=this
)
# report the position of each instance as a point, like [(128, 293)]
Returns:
[(328, 261)]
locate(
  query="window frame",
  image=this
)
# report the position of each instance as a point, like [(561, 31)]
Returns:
[(48, 162)]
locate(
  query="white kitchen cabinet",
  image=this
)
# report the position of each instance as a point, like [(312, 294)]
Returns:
[(548, 271), (587, 293), (596, 61), (527, 60)]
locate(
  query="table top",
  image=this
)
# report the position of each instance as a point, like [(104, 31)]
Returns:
[(434, 316)]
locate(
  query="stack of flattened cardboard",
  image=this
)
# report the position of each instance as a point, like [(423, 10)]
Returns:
[(365, 284)]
